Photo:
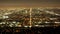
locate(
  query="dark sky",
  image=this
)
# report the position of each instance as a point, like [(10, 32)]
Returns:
[(30, 3)]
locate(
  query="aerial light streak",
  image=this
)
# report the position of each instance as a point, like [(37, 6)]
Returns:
[(52, 13)]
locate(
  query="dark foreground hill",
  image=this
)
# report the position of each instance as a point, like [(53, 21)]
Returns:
[(33, 30)]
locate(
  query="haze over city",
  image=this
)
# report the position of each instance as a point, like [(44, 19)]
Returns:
[(29, 3)]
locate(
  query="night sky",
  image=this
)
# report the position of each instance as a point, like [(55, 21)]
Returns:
[(29, 3)]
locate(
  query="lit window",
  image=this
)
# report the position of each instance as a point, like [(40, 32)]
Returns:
[(57, 22), (0, 23), (3, 22), (26, 11), (39, 22), (25, 26), (19, 25), (11, 25), (46, 22), (30, 26), (5, 17), (36, 25), (14, 22)]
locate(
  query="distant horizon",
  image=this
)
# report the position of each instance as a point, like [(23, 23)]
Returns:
[(29, 3)]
